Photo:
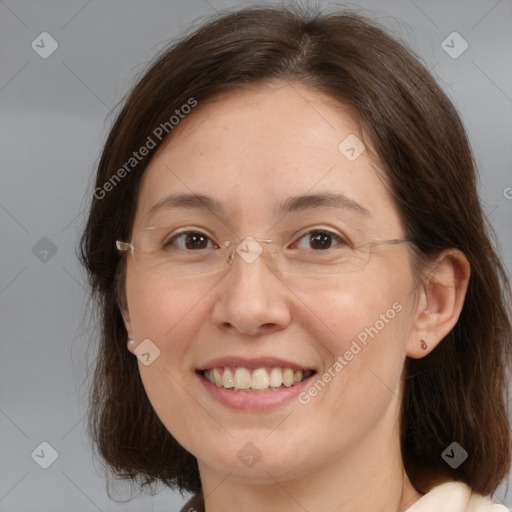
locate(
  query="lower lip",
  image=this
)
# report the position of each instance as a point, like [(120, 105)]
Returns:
[(253, 401)]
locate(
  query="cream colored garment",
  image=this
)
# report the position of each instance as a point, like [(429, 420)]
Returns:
[(448, 497), (455, 497)]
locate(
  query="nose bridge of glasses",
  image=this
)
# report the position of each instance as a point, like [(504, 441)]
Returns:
[(249, 249)]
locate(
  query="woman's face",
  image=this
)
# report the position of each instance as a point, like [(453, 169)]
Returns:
[(255, 153)]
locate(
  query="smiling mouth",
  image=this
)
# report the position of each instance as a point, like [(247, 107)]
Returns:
[(255, 380)]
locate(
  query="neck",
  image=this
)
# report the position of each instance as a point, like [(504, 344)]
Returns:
[(368, 476)]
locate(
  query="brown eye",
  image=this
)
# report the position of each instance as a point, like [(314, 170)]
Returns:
[(190, 241), (319, 240)]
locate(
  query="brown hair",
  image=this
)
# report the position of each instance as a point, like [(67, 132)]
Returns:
[(456, 393)]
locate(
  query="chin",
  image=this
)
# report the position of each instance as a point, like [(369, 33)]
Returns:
[(257, 462)]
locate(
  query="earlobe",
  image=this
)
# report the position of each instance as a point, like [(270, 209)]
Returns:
[(440, 302)]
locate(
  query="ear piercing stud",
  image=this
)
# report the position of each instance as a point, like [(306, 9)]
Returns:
[(130, 343)]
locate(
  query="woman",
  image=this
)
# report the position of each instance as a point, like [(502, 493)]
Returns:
[(300, 305)]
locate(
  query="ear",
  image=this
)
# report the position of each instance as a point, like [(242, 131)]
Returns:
[(440, 302), (125, 313), (129, 329), (122, 303), (127, 321)]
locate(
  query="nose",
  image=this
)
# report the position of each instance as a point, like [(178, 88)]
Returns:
[(251, 299)]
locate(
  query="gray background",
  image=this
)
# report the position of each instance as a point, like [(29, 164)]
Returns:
[(53, 122)]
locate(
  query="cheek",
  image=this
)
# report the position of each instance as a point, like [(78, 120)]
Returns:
[(358, 308), (170, 316), (362, 324), (161, 310)]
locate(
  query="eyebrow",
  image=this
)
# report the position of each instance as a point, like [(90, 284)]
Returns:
[(290, 205), (321, 200)]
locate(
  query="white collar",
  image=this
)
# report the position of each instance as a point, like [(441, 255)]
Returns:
[(454, 497)]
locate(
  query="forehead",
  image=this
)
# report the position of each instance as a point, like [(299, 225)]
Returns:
[(253, 148)]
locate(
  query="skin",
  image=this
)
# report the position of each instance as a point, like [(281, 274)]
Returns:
[(251, 149)]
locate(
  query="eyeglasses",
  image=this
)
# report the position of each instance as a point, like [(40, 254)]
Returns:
[(192, 253)]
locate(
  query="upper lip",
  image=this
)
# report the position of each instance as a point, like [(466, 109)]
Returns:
[(253, 363)]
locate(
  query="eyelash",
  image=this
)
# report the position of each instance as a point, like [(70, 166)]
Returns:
[(341, 240)]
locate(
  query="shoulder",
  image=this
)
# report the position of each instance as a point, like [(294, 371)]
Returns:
[(455, 497)]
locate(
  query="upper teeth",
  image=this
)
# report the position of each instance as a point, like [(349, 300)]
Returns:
[(241, 378)]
